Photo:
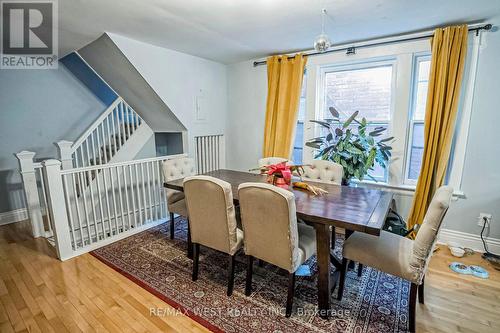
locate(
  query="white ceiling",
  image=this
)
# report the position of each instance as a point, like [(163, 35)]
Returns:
[(229, 31)]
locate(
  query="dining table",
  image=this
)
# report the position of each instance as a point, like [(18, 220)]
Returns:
[(352, 208)]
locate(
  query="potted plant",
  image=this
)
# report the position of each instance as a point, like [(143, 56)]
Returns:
[(349, 144)]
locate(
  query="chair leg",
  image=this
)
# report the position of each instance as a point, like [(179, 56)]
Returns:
[(413, 306), (172, 226), (343, 271), (189, 243), (421, 292), (333, 238), (291, 293), (360, 269), (248, 285), (196, 259), (230, 275)]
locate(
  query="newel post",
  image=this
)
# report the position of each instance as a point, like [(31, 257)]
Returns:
[(57, 204), (27, 170), (64, 153)]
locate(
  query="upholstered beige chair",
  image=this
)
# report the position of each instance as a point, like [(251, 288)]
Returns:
[(324, 172), (270, 160), (268, 216), (175, 169), (398, 255), (212, 220)]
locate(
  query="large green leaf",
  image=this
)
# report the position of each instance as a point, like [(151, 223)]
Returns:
[(376, 132), (334, 112), (314, 145), (386, 139), (322, 123), (350, 119)]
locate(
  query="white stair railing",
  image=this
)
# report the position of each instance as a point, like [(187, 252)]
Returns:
[(102, 140), (125, 198), (210, 152)]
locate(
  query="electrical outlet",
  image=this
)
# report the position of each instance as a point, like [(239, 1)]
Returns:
[(482, 216)]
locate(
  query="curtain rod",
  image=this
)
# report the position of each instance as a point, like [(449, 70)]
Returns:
[(392, 41)]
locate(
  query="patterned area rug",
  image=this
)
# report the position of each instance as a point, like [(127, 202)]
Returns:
[(375, 302)]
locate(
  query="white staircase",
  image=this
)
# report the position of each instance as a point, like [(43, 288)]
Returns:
[(116, 136)]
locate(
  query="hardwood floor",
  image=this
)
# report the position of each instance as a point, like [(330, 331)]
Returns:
[(38, 293)]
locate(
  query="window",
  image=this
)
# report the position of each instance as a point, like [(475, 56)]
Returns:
[(417, 116), (388, 85), (366, 88), (297, 154)]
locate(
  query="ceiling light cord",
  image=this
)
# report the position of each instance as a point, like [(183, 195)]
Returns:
[(323, 14)]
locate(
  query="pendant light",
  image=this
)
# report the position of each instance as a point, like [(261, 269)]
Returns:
[(322, 41)]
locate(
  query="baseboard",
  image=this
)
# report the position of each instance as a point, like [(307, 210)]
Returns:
[(469, 240), (13, 216)]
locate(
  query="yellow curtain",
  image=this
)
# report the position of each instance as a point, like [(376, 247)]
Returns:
[(284, 80), (449, 49)]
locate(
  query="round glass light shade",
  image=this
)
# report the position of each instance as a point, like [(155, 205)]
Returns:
[(322, 43)]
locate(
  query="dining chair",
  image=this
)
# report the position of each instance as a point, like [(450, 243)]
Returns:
[(272, 234), (325, 172), (270, 160), (400, 256), (212, 220), (174, 169)]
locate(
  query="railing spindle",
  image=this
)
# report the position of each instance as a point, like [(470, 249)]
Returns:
[(101, 210), (77, 206), (69, 211), (106, 199), (120, 199), (85, 210), (139, 205), (92, 201), (125, 186), (112, 119)]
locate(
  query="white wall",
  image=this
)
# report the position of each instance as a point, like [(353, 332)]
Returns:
[(178, 78), (247, 90), (38, 108), (246, 105)]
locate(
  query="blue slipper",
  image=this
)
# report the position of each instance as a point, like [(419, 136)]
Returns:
[(479, 272), (460, 268)]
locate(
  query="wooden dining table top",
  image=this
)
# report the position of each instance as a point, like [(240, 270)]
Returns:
[(352, 208)]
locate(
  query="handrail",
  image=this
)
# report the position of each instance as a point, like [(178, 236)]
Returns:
[(106, 136), (94, 125), (111, 165)]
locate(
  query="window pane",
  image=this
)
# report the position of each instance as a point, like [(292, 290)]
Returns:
[(416, 151), (299, 131), (422, 83), (367, 90), (416, 145), (297, 156)]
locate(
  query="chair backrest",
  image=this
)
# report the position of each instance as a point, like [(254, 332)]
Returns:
[(177, 168), (271, 160), (324, 171), (212, 218), (268, 216), (427, 234)]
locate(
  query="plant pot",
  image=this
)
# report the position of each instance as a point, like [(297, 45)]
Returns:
[(281, 182)]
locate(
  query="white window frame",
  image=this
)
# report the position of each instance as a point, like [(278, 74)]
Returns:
[(404, 54)]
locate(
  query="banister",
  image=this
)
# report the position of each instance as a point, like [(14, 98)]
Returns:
[(96, 123), (112, 165)]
